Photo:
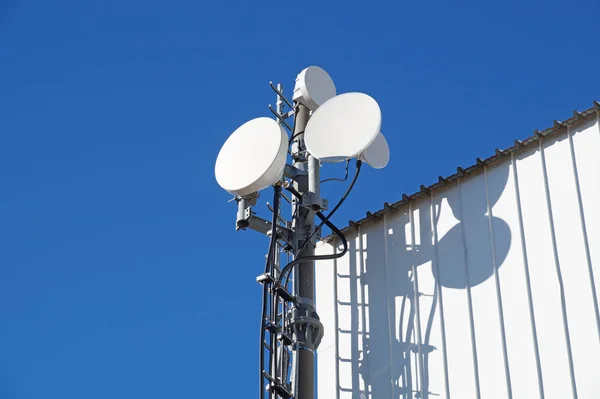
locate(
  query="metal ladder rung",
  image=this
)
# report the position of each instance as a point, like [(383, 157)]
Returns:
[(277, 387)]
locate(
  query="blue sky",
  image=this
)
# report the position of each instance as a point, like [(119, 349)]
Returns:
[(121, 275)]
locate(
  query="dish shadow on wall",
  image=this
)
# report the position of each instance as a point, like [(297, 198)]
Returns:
[(384, 337)]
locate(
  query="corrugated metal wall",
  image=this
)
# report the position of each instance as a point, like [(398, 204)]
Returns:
[(485, 289)]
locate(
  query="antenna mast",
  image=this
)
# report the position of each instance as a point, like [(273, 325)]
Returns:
[(309, 335), (290, 327)]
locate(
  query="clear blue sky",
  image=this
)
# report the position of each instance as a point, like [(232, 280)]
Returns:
[(121, 275)]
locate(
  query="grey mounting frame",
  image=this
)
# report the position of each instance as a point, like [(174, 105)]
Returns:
[(246, 219)]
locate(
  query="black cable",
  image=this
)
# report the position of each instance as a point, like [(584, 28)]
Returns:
[(268, 269), (324, 221), (262, 342), (295, 134), (338, 179), (335, 208), (288, 268)]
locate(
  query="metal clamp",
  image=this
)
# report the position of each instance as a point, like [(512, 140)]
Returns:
[(315, 202), (292, 172), (307, 326)]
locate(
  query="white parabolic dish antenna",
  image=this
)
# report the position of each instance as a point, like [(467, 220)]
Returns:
[(313, 87), (343, 127), (378, 154), (252, 158)]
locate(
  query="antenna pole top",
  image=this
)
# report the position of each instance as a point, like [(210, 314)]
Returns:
[(313, 87)]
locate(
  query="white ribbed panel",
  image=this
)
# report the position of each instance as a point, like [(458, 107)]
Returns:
[(487, 288)]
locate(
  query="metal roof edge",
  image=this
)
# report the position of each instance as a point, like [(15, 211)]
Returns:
[(499, 154)]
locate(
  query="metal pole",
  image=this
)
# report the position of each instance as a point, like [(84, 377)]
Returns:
[(304, 273), (314, 182)]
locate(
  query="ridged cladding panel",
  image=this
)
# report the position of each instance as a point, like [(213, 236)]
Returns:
[(485, 288)]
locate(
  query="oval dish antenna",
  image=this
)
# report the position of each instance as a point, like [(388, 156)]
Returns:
[(252, 158), (377, 155), (343, 127), (313, 87)]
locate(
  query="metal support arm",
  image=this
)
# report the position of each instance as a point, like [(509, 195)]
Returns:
[(247, 220)]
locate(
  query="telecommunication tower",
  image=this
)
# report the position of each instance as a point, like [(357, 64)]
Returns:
[(326, 128)]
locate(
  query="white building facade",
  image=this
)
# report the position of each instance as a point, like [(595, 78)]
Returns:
[(484, 285)]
